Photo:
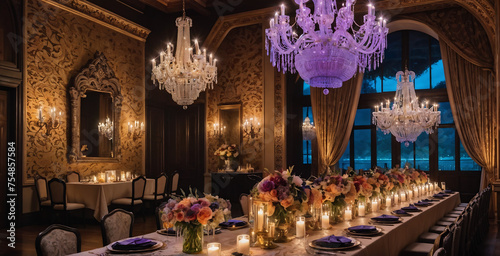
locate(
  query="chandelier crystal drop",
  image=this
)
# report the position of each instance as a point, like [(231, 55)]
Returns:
[(330, 50), (187, 73), (308, 129), (406, 120), (106, 129)]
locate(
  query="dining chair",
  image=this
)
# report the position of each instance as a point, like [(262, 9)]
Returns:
[(73, 177), (160, 190), (244, 204), (57, 191), (440, 252), (58, 240), (138, 186), (175, 183), (42, 194), (116, 225)]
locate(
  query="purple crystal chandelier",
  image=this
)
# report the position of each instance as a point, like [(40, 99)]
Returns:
[(330, 50)]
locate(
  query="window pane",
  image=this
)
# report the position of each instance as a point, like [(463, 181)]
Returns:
[(407, 156), (306, 152), (392, 61), (466, 163), (422, 152), (437, 70), (345, 160), (306, 89), (307, 112), (446, 149), (419, 59), (446, 115), (362, 149), (363, 116), (384, 156), (371, 81)]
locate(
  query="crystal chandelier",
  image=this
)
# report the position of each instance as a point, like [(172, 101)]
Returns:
[(406, 119), (323, 56), (106, 129), (308, 129), (187, 73)]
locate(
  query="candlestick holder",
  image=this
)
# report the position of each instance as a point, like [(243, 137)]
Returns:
[(53, 122)]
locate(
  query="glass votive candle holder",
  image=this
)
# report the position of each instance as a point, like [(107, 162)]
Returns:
[(348, 213), (213, 249), (243, 244), (300, 227), (402, 196), (375, 205)]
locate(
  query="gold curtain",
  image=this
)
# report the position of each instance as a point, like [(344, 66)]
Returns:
[(333, 117), (472, 93)]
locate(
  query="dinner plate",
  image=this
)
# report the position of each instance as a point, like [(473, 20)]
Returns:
[(235, 227), (166, 232), (398, 214), (354, 243), (386, 222), (374, 233), (157, 246), (417, 210)]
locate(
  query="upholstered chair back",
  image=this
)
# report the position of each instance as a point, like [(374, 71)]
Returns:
[(57, 190), (116, 225), (161, 183), (73, 177), (139, 184), (58, 240)]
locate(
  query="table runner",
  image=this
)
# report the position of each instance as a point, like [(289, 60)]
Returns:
[(97, 196), (394, 239)]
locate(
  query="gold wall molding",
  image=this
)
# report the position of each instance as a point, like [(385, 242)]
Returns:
[(102, 16)]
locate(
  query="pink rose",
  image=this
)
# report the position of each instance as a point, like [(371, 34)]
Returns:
[(179, 216), (204, 215)]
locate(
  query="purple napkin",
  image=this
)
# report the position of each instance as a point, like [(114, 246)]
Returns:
[(363, 229), (427, 200), (400, 211), (333, 241), (438, 195), (410, 208), (133, 244), (232, 223), (385, 217), (420, 203), (448, 191)]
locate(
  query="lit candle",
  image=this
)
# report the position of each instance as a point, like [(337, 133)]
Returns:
[(374, 205), (215, 62), (282, 9), (214, 249), (410, 194), (415, 191), (154, 62), (325, 221), (276, 18), (243, 244), (361, 209), (300, 227), (371, 9), (197, 47), (271, 23), (396, 199), (272, 228), (260, 219), (94, 178), (122, 176), (388, 201), (204, 53), (348, 213), (403, 196), (40, 116), (210, 59), (161, 57)]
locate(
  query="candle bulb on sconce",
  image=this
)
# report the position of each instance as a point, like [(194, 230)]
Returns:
[(251, 127), (53, 122), (136, 129)]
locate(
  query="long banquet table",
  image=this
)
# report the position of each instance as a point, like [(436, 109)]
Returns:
[(394, 239), (97, 196)]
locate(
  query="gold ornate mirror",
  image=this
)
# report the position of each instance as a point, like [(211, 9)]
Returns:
[(230, 123), (96, 103)]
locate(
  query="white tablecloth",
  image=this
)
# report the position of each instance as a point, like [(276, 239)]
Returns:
[(97, 196), (394, 239)]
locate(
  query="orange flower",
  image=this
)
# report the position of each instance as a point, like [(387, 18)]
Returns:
[(287, 202), (179, 216), (204, 215)]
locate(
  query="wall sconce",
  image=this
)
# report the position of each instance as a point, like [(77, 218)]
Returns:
[(219, 131), (53, 122), (251, 127), (136, 129), (106, 129), (308, 129)]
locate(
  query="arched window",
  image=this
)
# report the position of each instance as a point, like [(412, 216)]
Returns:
[(369, 146)]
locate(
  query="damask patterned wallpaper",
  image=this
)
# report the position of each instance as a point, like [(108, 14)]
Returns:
[(59, 44), (240, 79)]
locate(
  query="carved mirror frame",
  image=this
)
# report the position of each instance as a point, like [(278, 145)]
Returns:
[(96, 76), (233, 106)]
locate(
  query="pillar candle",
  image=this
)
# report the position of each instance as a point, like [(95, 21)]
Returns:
[(301, 227), (260, 219), (348, 214), (410, 194), (213, 249), (396, 198), (403, 197), (325, 221), (374, 205), (361, 210), (388, 202), (272, 228)]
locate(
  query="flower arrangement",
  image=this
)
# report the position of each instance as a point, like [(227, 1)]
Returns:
[(227, 152), (284, 192)]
